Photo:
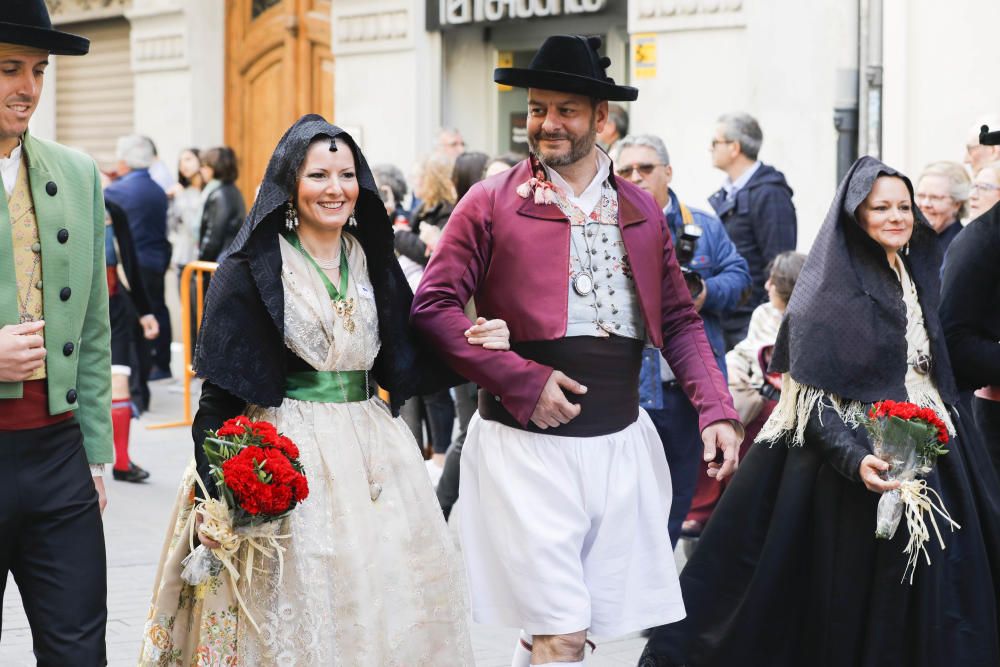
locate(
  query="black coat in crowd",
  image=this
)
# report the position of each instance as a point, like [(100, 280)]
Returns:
[(221, 220), (970, 313)]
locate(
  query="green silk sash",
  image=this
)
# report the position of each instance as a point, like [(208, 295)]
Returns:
[(327, 386)]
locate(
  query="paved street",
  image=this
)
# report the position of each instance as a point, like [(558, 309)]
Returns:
[(135, 524)]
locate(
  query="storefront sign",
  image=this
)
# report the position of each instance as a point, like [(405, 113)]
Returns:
[(451, 13), (644, 55)]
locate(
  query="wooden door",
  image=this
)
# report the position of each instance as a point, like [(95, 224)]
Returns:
[(278, 67)]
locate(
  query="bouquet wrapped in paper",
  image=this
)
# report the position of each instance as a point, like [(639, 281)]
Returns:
[(259, 480), (909, 438)]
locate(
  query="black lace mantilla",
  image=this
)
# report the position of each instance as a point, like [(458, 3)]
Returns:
[(241, 342)]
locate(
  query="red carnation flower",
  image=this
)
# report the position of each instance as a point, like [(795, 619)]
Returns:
[(235, 426)]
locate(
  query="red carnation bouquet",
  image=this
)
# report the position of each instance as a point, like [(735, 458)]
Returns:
[(910, 439), (260, 480), (256, 470)]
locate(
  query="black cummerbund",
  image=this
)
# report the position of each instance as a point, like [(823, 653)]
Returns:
[(608, 367)]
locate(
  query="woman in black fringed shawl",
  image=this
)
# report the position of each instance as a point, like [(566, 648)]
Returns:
[(788, 571), (370, 576)]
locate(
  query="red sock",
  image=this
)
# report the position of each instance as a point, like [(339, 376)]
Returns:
[(121, 421)]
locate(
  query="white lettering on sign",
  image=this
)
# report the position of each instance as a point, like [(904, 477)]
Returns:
[(461, 12)]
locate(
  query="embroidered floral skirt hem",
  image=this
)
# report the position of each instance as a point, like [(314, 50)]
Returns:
[(188, 625), (365, 584)]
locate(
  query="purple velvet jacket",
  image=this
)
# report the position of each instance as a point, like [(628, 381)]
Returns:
[(512, 256)]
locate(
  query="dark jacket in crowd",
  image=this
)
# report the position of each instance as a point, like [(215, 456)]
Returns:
[(761, 222), (221, 219), (970, 302), (119, 248), (408, 243), (948, 235), (145, 207)]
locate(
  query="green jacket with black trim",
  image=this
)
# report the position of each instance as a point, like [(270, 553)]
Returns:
[(69, 207)]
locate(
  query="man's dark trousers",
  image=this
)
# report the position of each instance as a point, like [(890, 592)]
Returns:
[(52, 541), (677, 424)]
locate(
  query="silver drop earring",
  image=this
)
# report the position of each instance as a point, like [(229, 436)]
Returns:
[(291, 217), (352, 221)]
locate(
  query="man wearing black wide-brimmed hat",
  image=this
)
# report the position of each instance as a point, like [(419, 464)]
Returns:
[(565, 489), (55, 374)]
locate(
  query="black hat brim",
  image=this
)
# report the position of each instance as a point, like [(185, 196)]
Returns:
[(566, 83), (54, 41)]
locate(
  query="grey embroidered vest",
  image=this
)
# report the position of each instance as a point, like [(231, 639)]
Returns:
[(597, 249)]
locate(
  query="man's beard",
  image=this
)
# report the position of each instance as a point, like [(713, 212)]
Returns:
[(579, 146)]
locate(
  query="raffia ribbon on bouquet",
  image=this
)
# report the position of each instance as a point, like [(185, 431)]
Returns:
[(218, 526), (920, 500)]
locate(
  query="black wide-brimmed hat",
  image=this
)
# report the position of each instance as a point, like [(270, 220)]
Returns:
[(27, 23), (569, 64)]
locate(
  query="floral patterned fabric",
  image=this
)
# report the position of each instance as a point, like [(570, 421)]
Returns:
[(188, 625)]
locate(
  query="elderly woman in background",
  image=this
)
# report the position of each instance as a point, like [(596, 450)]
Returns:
[(985, 190), (942, 193)]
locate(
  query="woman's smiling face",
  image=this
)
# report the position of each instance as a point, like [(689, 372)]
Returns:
[(328, 186), (886, 214)]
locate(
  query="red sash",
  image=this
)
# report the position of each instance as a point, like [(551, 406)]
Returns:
[(31, 410)]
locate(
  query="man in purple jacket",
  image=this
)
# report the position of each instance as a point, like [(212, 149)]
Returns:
[(565, 488)]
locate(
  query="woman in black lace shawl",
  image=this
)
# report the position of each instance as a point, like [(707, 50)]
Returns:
[(369, 571), (788, 571)]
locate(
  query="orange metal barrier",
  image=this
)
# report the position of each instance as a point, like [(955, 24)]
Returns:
[(198, 270)]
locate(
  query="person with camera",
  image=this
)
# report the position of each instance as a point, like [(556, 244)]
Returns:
[(716, 276)]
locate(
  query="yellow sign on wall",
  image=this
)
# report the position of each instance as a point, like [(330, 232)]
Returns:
[(644, 55), (505, 59)]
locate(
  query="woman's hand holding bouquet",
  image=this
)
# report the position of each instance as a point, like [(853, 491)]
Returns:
[(907, 439), (260, 481)]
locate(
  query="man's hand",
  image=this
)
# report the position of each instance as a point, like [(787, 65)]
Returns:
[(721, 435), (699, 301), (150, 327), (552, 408), (491, 334), (22, 350), (102, 495), (869, 470)]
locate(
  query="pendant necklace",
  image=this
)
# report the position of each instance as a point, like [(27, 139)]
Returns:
[(583, 280), (343, 305)]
